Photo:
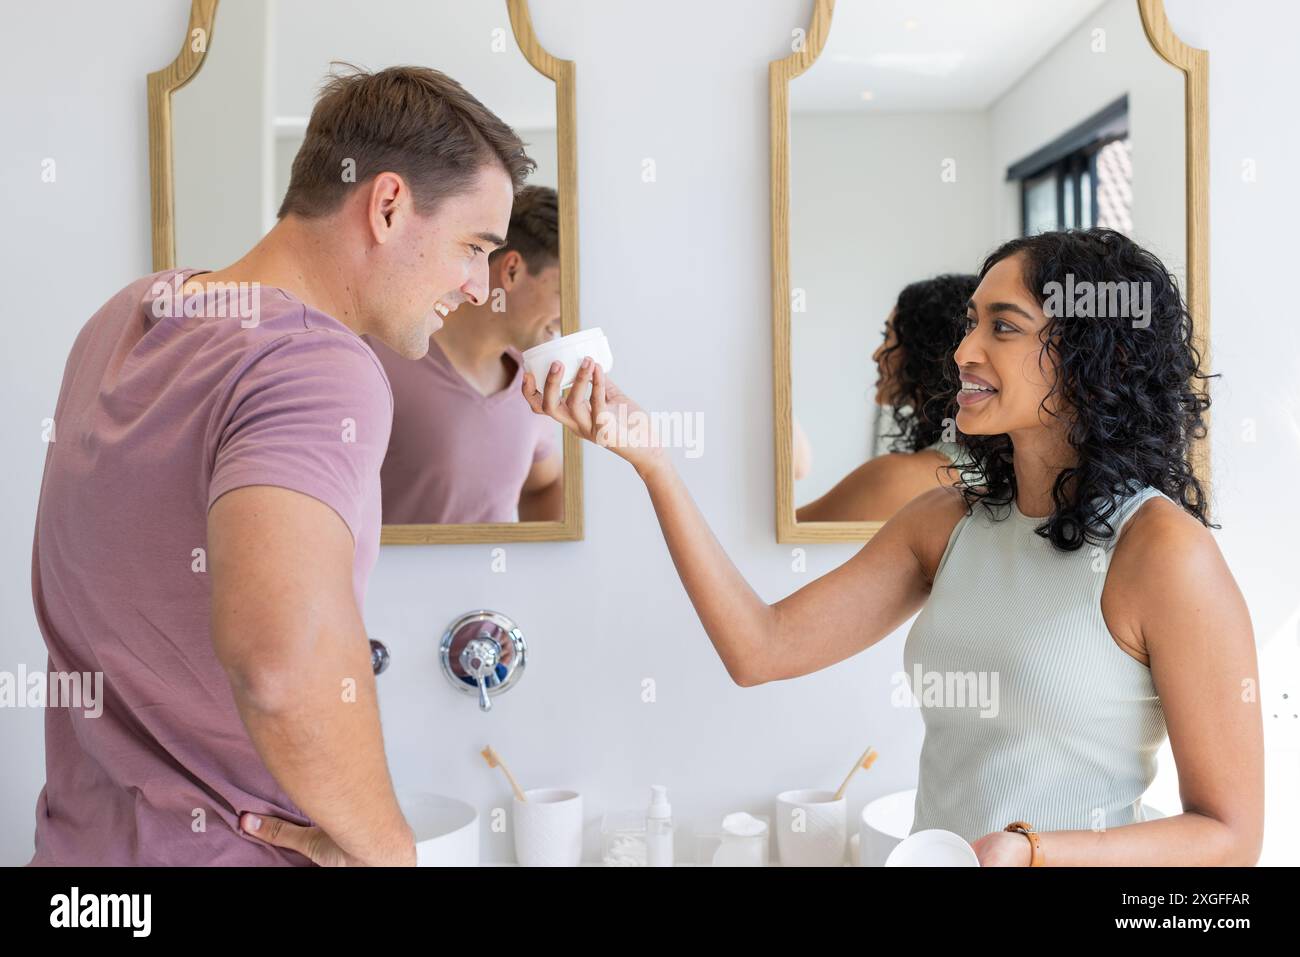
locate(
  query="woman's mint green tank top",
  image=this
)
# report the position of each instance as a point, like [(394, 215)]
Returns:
[(950, 450), (1032, 711)]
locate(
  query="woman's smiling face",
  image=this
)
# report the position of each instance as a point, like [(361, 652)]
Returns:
[(1005, 370)]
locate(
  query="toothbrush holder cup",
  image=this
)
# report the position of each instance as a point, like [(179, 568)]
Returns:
[(548, 828), (811, 828)]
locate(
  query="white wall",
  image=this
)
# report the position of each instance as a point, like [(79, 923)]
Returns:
[(686, 255), (221, 123), (1072, 83), (870, 213)]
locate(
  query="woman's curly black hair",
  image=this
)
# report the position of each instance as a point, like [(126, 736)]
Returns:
[(926, 331), (1127, 382)]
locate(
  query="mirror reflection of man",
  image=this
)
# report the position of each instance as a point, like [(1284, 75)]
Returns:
[(465, 446)]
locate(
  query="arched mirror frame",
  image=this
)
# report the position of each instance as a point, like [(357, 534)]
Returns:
[(1191, 61), (163, 83)]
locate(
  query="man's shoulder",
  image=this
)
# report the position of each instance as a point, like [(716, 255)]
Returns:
[(261, 334), (335, 359), (136, 295)]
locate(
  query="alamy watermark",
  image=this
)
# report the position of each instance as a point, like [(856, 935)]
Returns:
[(57, 689), (946, 689), (76, 909), (218, 300), (638, 429), (1087, 299)]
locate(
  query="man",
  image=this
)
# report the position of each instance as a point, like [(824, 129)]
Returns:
[(465, 446), (210, 511)]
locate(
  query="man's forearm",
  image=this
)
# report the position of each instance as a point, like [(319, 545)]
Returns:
[(544, 505), (320, 737)]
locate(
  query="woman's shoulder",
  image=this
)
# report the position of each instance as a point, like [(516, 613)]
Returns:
[(1167, 566), (1159, 523), (929, 520), (939, 501), (1162, 547)]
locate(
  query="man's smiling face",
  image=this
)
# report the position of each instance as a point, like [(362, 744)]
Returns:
[(440, 261)]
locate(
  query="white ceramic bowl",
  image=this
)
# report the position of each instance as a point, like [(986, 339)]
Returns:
[(886, 821), (570, 350), (446, 830), (933, 848)]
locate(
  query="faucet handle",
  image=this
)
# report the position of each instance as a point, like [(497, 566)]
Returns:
[(479, 660), (379, 656), (482, 653)]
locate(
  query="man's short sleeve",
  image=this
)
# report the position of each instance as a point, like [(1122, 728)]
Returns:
[(311, 413), (548, 438)]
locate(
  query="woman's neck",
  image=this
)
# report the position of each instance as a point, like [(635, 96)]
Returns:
[(1038, 456)]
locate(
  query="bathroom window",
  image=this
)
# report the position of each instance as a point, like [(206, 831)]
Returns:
[(1113, 195), (1082, 178)]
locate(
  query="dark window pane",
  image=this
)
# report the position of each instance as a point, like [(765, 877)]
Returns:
[(1040, 203), (1085, 190)]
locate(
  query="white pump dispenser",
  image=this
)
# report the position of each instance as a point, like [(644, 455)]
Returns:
[(659, 828)]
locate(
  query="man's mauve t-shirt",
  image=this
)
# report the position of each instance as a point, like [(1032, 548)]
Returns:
[(156, 419), (456, 455)]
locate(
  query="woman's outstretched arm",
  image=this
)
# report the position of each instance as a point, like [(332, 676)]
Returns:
[(826, 621)]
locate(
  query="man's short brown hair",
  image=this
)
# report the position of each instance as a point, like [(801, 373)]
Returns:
[(534, 230), (410, 120)]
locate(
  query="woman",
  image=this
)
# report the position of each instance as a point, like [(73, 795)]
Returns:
[(913, 382), (1107, 614)]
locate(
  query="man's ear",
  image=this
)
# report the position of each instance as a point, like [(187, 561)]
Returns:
[(512, 269), (387, 199)]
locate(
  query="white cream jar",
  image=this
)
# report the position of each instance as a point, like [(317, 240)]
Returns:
[(570, 350)]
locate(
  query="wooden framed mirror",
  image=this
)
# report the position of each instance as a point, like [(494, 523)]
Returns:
[(225, 120), (909, 138)]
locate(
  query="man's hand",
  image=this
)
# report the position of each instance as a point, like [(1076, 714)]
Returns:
[(314, 844)]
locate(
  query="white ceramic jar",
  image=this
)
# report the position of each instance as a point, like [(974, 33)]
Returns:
[(570, 350)]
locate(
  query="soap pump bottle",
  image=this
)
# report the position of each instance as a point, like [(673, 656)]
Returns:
[(659, 828)]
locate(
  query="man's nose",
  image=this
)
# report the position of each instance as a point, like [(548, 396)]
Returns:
[(476, 286)]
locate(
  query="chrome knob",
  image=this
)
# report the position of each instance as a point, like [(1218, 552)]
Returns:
[(483, 654), (479, 661), (379, 656)]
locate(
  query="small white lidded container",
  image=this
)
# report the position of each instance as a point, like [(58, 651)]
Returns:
[(570, 350), (742, 842)]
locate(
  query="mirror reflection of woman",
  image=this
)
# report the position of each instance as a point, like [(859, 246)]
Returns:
[(916, 385), (1077, 570)]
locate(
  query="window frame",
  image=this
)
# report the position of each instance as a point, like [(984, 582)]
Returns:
[(1068, 157)]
